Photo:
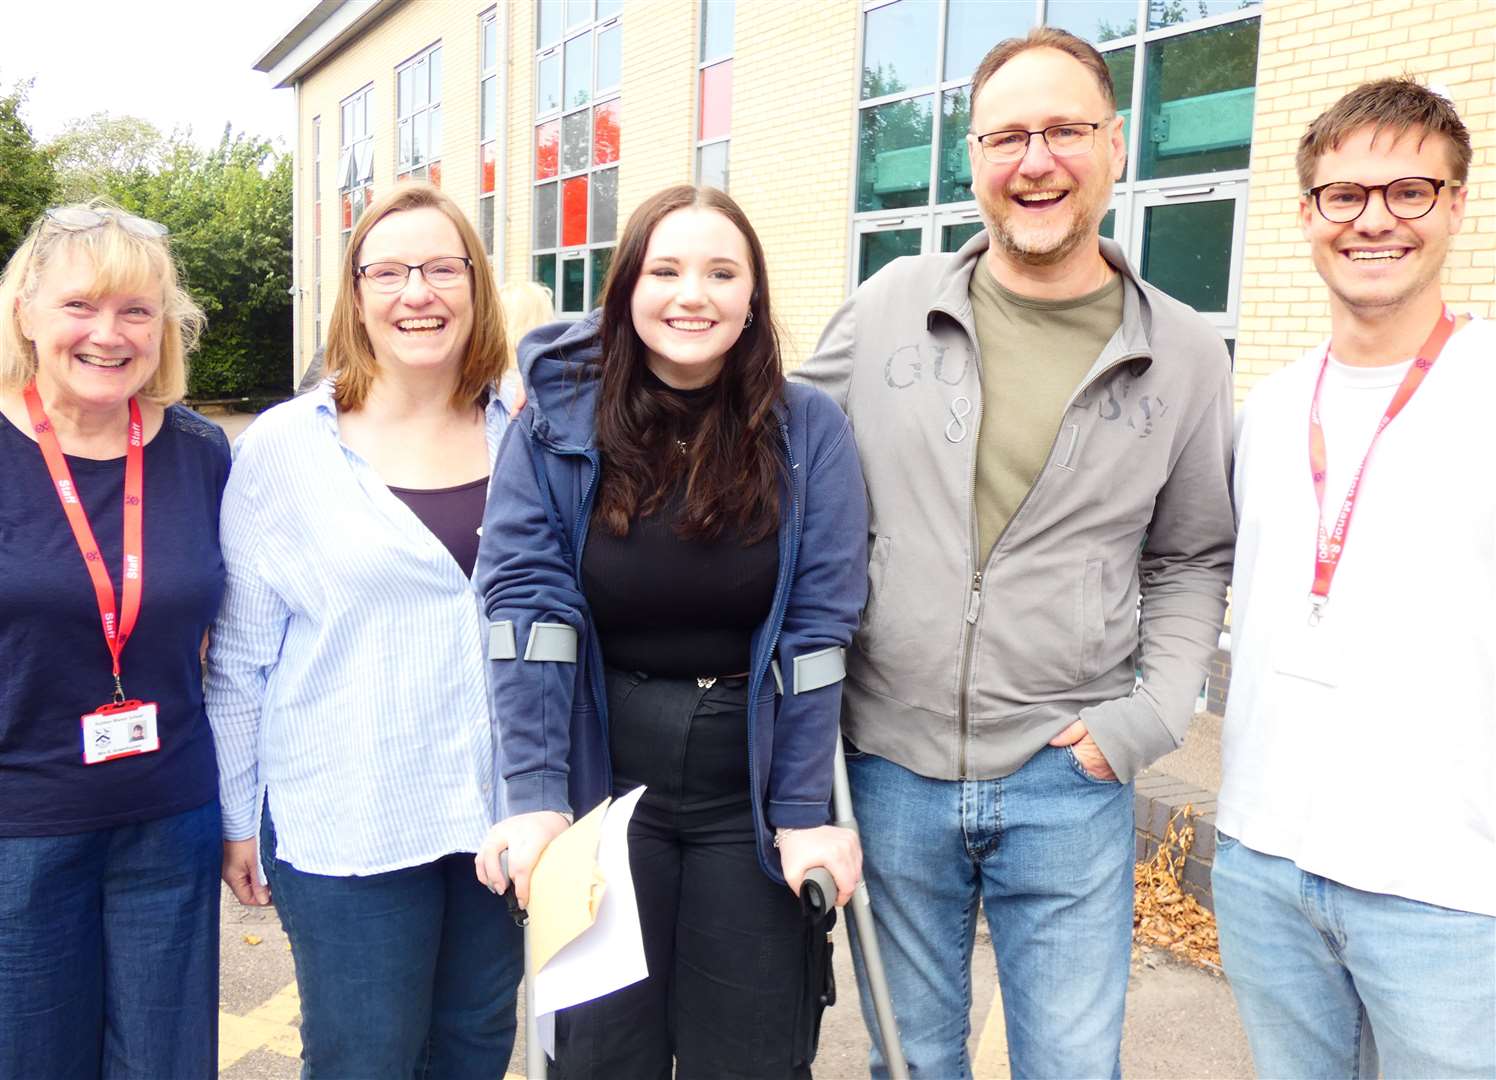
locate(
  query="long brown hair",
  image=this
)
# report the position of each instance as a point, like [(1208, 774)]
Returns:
[(733, 463), (350, 356)]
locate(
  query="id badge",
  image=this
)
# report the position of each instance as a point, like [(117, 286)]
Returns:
[(123, 730), (1307, 652)]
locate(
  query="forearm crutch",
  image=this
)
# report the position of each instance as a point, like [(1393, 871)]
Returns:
[(867, 937), (535, 1066)]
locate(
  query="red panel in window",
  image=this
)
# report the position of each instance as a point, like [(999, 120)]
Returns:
[(402, 177), (434, 173), (317, 219), (605, 133), (547, 147), (574, 211), (486, 180), (716, 101), (347, 210)]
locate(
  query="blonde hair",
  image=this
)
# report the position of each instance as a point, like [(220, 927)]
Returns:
[(350, 355), (527, 304), (123, 261)]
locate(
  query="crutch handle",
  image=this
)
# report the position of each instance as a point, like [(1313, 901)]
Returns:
[(520, 916), (818, 891)]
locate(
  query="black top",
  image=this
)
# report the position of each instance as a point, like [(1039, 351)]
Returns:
[(452, 514), (54, 664), (667, 606)]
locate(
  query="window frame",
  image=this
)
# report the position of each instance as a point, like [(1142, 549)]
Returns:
[(406, 168), (561, 252), (360, 192), (316, 232), (1131, 196), (703, 62), (487, 201)]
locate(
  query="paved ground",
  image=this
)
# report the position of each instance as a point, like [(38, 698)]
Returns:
[(1181, 1021), (1198, 761)]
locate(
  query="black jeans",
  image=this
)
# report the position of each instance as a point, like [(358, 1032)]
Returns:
[(726, 946)]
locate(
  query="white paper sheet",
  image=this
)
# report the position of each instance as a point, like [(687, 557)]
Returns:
[(610, 954)]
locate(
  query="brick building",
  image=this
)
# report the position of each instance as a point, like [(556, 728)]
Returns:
[(838, 125)]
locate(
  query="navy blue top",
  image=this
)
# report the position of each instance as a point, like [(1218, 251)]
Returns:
[(54, 664)]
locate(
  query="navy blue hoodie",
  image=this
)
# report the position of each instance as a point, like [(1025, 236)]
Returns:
[(546, 669)]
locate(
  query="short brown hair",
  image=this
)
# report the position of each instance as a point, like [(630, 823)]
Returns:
[(1046, 37), (350, 356), (1397, 105)]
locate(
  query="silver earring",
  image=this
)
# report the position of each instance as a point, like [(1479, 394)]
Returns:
[(749, 321)]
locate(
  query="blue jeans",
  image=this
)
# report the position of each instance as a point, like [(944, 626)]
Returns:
[(1048, 851), (407, 974), (1318, 967), (109, 951)]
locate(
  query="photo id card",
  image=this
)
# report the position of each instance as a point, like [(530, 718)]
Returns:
[(123, 730)]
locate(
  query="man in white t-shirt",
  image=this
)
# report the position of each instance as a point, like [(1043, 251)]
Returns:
[(1355, 866)]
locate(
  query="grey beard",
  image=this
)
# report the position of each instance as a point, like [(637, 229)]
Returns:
[(1078, 233)]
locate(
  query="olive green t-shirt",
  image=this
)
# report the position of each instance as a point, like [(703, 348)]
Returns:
[(1034, 354)]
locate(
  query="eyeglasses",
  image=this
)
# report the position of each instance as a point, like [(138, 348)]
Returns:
[(1063, 140), (388, 277), (83, 218), (1409, 198)]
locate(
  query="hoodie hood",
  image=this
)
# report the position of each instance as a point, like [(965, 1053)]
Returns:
[(560, 364)]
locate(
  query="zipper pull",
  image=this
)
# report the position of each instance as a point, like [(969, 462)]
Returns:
[(974, 601)]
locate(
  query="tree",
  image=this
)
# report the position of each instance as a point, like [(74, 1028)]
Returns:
[(229, 213), (27, 177), (95, 154)]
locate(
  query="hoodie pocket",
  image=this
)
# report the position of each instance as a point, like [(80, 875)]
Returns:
[(1092, 622)]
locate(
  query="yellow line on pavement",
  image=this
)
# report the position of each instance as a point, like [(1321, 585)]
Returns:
[(271, 1026), (992, 1048)]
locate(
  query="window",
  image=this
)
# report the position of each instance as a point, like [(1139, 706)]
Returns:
[(355, 161), (316, 232), (578, 69), (488, 124), (418, 117), (1186, 89), (714, 92), (913, 184), (1185, 86)]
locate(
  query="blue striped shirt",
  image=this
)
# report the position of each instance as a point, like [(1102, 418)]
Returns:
[(346, 671)]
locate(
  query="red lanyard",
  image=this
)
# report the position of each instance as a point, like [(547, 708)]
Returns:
[(116, 632), (1331, 541)]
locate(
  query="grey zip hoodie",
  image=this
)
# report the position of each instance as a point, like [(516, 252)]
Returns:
[(964, 669)]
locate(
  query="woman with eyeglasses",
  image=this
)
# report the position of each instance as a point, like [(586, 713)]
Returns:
[(110, 574), (673, 560), (356, 748)]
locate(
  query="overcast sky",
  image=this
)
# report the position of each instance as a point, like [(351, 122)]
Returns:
[(176, 63)]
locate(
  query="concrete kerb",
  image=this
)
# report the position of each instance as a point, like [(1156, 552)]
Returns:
[(1158, 797)]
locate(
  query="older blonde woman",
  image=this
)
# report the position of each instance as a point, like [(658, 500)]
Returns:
[(346, 679), (109, 575)]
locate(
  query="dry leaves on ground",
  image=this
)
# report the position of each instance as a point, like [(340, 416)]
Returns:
[(1165, 916)]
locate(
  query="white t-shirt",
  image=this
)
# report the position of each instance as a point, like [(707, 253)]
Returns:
[(1384, 780)]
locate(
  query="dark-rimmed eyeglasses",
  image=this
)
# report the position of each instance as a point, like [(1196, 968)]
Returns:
[(83, 218), (443, 273), (1408, 198), (1063, 140)]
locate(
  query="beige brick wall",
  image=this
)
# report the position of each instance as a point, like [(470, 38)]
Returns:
[(791, 159), (793, 151), (372, 58), (1312, 52)]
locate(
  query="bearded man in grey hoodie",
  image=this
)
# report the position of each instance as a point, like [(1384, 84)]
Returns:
[(1046, 440)]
